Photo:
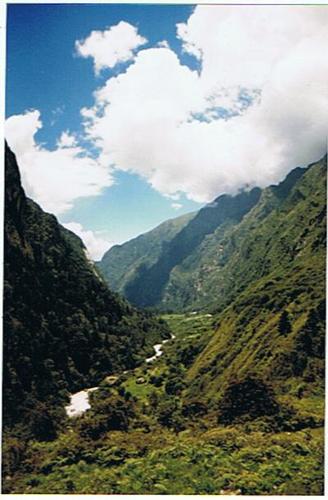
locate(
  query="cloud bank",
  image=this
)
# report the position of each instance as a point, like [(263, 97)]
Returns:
[(257, 107), (54, 179)]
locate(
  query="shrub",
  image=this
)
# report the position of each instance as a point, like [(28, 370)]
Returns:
[(174, 386), (169, 414), (13, 450), (194, 409), (249, 398), (111, 414)]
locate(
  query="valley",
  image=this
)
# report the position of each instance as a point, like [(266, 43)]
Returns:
[(167, 446), (164, 249), (217, 388)]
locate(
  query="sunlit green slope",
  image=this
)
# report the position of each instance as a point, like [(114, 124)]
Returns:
[(270, 295)]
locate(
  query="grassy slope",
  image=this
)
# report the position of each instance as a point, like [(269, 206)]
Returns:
[(141, 291), (279, 265)]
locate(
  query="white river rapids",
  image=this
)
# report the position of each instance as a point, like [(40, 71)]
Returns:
[(79, 402)]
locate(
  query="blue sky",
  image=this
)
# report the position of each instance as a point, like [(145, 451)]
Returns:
[(44, 73), (122, 116)]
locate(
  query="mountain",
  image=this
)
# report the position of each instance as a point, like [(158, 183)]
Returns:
[(63, 328), (268, 288), (211, 258), (235, 403), (120, 263), (237, 252), (148, 283)]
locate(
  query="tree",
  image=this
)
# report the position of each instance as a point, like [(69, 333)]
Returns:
[(169, 414), (311, 338), (194, 409), (284, 326), (174, 386), (43, 422), (113, 413)]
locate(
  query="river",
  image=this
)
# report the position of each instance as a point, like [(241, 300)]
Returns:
[(79, 402)]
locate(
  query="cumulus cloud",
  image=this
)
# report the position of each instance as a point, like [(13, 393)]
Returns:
[(163, 43), (256, 108), (95, 244), (115, 45), (54, 179)]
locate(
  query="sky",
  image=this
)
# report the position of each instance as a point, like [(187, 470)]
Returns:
[(123, 116)]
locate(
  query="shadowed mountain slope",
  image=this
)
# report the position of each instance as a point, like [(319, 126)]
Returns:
[(147, 285), (63, 328), (120, 263)]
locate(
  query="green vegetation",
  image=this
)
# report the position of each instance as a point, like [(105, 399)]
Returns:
[(231, 243), (224, 210), (235, 405), (144, 441), (63, 329), (217, 462), (122, 263)]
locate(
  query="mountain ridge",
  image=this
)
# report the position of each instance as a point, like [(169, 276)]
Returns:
[(271, 323), (240, 387), (184, 263)]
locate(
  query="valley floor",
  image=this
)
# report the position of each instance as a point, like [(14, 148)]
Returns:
[(167, 446)]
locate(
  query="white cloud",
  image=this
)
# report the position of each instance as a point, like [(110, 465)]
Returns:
[(176, 206), (95, 244), (20, 131), (66, 140), (256, 108), (112, 46), (164, 121), (54, 179), (59, 110), (57, 113)]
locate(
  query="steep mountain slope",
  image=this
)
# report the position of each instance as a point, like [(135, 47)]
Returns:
[(119, 264), (147, 288), (221, 267), (207, 262), (271, 323), (63, 328)]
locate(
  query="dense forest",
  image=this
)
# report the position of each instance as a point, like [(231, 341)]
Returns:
[(234, 405)]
